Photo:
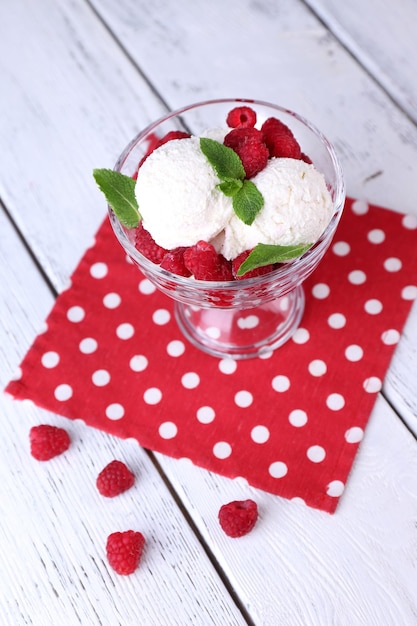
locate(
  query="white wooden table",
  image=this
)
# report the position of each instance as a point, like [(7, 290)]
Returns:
[(78, 78)]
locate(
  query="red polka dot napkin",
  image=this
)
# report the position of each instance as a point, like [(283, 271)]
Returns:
[(113, 356)]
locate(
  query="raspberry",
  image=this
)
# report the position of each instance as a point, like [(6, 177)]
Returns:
[(238, 517), (173, 134), (274, 125), (306, 158), (48, 441), (124, 551), (147, 246), (114, 479), (248, 144), (280, 145), (259, 271), (205, 263), (173, 261), (241, 116)]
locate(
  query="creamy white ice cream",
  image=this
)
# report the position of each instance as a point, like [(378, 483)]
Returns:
[(297, 208), (177, 195)]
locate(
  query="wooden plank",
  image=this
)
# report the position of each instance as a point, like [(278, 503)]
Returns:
[(307, 567), (381, 35), (54, 524)]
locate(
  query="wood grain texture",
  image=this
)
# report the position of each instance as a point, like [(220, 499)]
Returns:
[(356, 567), (53, 522), (387, 49)]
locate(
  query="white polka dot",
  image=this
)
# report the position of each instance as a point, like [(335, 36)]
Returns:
[(393, 264), (17, 374), (376, 236), (63, 392), (260, 434), (335, 488), (341, 248), (99, 270), (50, 359), (88, 345), (146, 287), (298, 418), (357, 277), (168, 430), (222, 450), (112, 300), (301, 336), (125, 331), (373, 384), (410, 222), (115, 411), (409, 292), (243, 399), (336, 320), (298, 500), (161, 317), (317, 367), (100, 378), (316, 454), (138, 363), (265, 353), (280, 383), (175, 348), (213, 332), (360, 207), (390, 337), (278, 469), (227, 366), (75, 314), (354, 434), (335, 401), (190, 380), (153, 395), (320, 291), (249, 322), (353, 353), (205, 414), (373, 306)]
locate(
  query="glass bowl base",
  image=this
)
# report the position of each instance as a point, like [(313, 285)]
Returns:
[(242, 333)]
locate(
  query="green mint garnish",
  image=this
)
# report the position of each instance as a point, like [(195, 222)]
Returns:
[(247, 200), (225, 161), (119, 191), (266, 254)]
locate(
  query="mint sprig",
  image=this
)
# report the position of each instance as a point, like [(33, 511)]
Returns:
[(268, 254), (247, 200), (119, 191)]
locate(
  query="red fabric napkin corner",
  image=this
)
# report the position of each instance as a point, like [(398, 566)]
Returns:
[(290, 424)]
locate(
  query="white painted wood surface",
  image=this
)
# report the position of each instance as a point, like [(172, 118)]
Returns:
[(78, 79)]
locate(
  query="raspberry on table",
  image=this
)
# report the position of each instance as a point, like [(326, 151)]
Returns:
[(124, 551), (237, 518), (205, 263), (249, 145), (114, 479), (173, 261), (47, 441), (146, 245), (259, 271), (241, 116)]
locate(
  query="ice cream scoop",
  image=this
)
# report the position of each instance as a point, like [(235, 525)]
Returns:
[(177, 194)]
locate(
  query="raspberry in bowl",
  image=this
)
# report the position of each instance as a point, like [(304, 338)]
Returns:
[(231, 205)]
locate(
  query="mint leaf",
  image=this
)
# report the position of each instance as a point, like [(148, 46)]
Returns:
[(119, 191), (230, 187), (267, 254), (225, 161), (247, 202)]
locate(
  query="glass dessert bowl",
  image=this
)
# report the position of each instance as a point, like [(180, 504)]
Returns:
[(252, 316)]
